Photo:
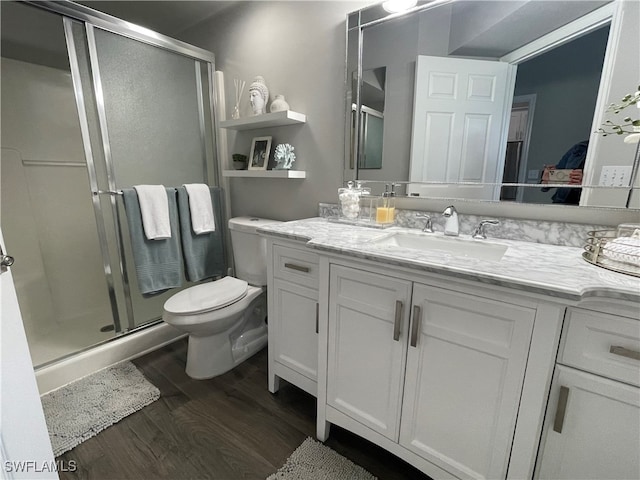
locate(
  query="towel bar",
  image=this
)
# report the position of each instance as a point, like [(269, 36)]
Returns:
[(108, 192)]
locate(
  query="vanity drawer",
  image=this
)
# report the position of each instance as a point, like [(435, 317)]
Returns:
[(603, 344), (295, 265)]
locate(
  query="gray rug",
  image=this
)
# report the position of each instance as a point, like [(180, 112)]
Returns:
[(314, 461), (82, 409)]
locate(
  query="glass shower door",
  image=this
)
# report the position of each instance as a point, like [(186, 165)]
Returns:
[(86, 111), (46, 211), (151, 106)]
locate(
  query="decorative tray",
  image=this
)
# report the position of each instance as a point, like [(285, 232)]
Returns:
[(614, 251)]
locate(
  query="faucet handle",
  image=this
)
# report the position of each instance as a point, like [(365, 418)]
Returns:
[(428, 227), (479, 230)]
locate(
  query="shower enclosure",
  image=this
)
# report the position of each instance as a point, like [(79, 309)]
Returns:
[(91, 105)]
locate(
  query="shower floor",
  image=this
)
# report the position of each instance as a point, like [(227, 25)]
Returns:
[(71, 337)]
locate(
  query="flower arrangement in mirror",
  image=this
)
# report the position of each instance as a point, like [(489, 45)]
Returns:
[(284, 156), (630, 126)]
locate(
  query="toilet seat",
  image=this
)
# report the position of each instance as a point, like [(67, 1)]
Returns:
[(207, 297)]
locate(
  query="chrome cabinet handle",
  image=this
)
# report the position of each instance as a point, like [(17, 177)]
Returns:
[(299, 268), (415, 326), (561, 410), (624, 352), (397, 323), (6, 260), (317, 318)]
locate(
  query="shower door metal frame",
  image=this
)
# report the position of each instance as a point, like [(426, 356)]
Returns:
[(93, 19), (91, 170), (122, 27), (111, 182)]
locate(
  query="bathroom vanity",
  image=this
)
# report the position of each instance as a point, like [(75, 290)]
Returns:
[(467, 358)]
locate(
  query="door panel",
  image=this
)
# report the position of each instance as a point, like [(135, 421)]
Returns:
[(459, 116), (365, 377), (597, 440), (23, 431), (295, 309), (463, 382)]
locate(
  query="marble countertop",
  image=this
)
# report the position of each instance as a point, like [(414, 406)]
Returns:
[(551, 270)]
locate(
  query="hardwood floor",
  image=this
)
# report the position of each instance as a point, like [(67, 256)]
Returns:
[(228, 428)]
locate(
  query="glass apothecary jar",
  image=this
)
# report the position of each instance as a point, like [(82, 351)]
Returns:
[(349, 197)]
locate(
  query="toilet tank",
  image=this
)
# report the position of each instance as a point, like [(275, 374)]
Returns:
[(249, 249)]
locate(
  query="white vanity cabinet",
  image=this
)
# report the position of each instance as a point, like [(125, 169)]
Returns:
[(292, 315), (437, 371), (592, 429), (464, 369)]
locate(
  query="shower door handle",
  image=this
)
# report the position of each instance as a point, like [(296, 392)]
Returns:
[(5, 261)]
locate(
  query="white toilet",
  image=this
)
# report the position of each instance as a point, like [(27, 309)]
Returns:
[(226, 318)]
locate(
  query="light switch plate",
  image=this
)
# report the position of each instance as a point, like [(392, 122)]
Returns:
[(615, 176), (533, 174)]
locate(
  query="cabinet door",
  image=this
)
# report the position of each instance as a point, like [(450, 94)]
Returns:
[(465, 367), (366, 351), (294, 325), (592, 428)]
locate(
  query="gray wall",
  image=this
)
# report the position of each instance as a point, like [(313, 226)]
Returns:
[(298, 47)]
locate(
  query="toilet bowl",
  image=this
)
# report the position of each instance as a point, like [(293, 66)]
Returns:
[(226, 318)]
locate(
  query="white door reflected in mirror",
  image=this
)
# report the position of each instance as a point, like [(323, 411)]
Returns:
[(459, 114)]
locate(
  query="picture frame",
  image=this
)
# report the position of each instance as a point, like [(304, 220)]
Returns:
[(260, 152)]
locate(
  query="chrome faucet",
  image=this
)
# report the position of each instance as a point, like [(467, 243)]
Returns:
[(479, 232), (428, 226), (451, 226)]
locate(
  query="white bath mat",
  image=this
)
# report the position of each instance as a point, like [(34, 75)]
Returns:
[(314, 461), (82, 409)]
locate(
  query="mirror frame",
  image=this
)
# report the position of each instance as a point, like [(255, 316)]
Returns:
[(608, 14)]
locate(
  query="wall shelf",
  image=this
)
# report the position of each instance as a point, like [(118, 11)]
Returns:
[(276, 119), (265, 173)]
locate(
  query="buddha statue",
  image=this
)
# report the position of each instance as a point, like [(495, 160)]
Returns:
[(258, 96)]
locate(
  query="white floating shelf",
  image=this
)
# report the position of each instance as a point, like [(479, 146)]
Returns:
[(265, 173), (276, 119)]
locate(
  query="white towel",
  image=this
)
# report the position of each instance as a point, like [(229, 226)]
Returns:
[(154, 207), (202, 219), (623, 249)]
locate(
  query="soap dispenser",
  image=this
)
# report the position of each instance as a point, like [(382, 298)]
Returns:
[(385, 212), (367, 205)]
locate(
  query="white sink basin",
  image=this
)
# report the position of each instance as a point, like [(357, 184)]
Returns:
[(479, 249)]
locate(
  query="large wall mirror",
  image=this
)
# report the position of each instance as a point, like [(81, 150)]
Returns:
[(473, 98)]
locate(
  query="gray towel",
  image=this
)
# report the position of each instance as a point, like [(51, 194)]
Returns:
[(204, 255), (158, 262)]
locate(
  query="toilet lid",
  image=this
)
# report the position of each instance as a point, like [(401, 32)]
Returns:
[(207, 296)]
